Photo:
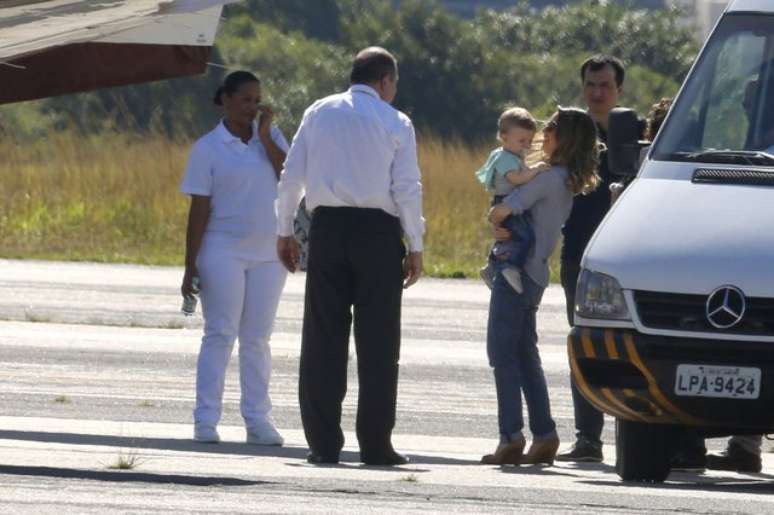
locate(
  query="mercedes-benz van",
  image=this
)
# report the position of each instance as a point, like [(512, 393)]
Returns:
[(674, 314)]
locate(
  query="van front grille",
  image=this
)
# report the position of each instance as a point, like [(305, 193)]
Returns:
[(739, 177), (682, 312)]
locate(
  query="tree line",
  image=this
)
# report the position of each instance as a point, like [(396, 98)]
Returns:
[(456, 74)]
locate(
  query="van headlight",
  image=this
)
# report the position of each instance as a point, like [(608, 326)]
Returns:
[(600, 296)]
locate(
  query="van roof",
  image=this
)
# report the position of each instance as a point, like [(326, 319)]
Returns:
[(765, 6)]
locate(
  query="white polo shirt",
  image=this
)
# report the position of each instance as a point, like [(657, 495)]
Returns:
[(242, 186), (354, 149)]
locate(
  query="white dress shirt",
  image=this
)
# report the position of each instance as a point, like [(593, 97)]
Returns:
[(355, 150)]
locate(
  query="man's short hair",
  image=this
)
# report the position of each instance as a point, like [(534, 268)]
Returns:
[(372, 65), (516, 117), (599, 61)]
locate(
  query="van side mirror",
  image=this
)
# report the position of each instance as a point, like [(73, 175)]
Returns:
[(624, 130)]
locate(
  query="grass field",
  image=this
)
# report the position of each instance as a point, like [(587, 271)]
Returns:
[(114, 198)]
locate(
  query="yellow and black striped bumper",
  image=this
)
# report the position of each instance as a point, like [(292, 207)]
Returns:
[(632, 376)]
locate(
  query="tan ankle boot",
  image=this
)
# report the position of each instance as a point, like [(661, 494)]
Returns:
[(507, 453), (541, 451)]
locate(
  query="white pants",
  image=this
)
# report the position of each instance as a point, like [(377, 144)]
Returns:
[(239, 299)]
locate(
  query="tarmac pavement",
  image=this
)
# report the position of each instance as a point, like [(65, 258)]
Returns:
[(97, 370)]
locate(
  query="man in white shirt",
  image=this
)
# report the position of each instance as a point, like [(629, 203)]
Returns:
[(355, 157)]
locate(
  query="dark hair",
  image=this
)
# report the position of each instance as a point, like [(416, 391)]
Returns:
[(576, 147), (656, 117), (231, 84), (599, 61), (372, 65)]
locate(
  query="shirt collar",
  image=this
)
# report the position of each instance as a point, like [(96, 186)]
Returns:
[(226, 137), (363, 88)]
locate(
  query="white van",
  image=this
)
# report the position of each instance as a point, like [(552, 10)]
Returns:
[(674, 314)]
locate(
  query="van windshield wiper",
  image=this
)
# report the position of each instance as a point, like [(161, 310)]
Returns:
[(742, 157)]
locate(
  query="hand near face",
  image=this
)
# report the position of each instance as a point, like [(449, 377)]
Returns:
[(266, 117)]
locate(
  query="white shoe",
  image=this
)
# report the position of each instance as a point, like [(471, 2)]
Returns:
[(205, 434), (264, 433), (487, 275), (513, 277)]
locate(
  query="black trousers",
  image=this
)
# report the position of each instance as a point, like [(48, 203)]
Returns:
[(588, 419), (354, 274)]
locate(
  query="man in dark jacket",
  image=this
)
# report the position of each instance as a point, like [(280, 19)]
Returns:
[(602, 79)]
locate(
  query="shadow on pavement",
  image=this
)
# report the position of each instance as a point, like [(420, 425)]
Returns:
[(535, 470), (186, 445), (601, 467), (125, 477), (761, 484)]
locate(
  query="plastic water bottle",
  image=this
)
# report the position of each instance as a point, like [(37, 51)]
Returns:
[(190, 301)]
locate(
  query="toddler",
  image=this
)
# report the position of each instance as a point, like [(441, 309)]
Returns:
[(503, 171)]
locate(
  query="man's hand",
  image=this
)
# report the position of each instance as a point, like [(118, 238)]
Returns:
[(288, 252), (499, 213), (412, 268), (264, 121)]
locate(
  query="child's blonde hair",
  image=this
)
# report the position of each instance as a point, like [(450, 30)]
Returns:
[(515, 117), (577, 148)]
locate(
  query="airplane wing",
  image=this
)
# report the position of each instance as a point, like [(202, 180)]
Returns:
[(57, 47)]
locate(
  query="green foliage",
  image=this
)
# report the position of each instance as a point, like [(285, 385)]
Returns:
[(456, 75), (294, 70), (318, 19), (652, 39)]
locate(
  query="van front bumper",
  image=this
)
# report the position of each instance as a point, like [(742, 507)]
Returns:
[(632, 376)]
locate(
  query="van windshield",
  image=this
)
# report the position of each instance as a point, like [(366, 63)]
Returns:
[(725, 112)]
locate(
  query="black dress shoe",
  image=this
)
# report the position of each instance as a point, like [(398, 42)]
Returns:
[(584, 451), (688, 460), (319, 459), (735, 459), (388, 458)]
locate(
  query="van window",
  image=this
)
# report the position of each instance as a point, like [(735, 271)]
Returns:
[(725, 112)]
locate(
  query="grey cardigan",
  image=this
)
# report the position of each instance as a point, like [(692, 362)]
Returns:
[(549, 201)]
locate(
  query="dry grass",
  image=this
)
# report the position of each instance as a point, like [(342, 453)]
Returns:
[(125, 461), (110, 198), (114, 198)]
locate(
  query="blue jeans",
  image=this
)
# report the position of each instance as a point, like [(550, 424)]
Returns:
[(513, 354)]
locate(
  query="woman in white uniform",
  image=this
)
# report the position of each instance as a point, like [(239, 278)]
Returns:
[(231, 176)]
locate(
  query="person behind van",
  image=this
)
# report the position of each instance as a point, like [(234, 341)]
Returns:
[(752, 90), (658, 112), (602, 79)]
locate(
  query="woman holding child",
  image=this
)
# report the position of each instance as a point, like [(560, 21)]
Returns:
[(570, 148)]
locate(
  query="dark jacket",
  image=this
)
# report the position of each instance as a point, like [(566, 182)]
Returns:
[(587, 211)]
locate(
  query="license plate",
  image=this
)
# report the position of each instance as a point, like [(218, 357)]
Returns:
[(718, 381)]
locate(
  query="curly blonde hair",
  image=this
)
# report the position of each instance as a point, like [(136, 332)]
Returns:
[(577, 148)]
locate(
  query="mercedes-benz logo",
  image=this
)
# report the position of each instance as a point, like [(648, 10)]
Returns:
[(725, 307)]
